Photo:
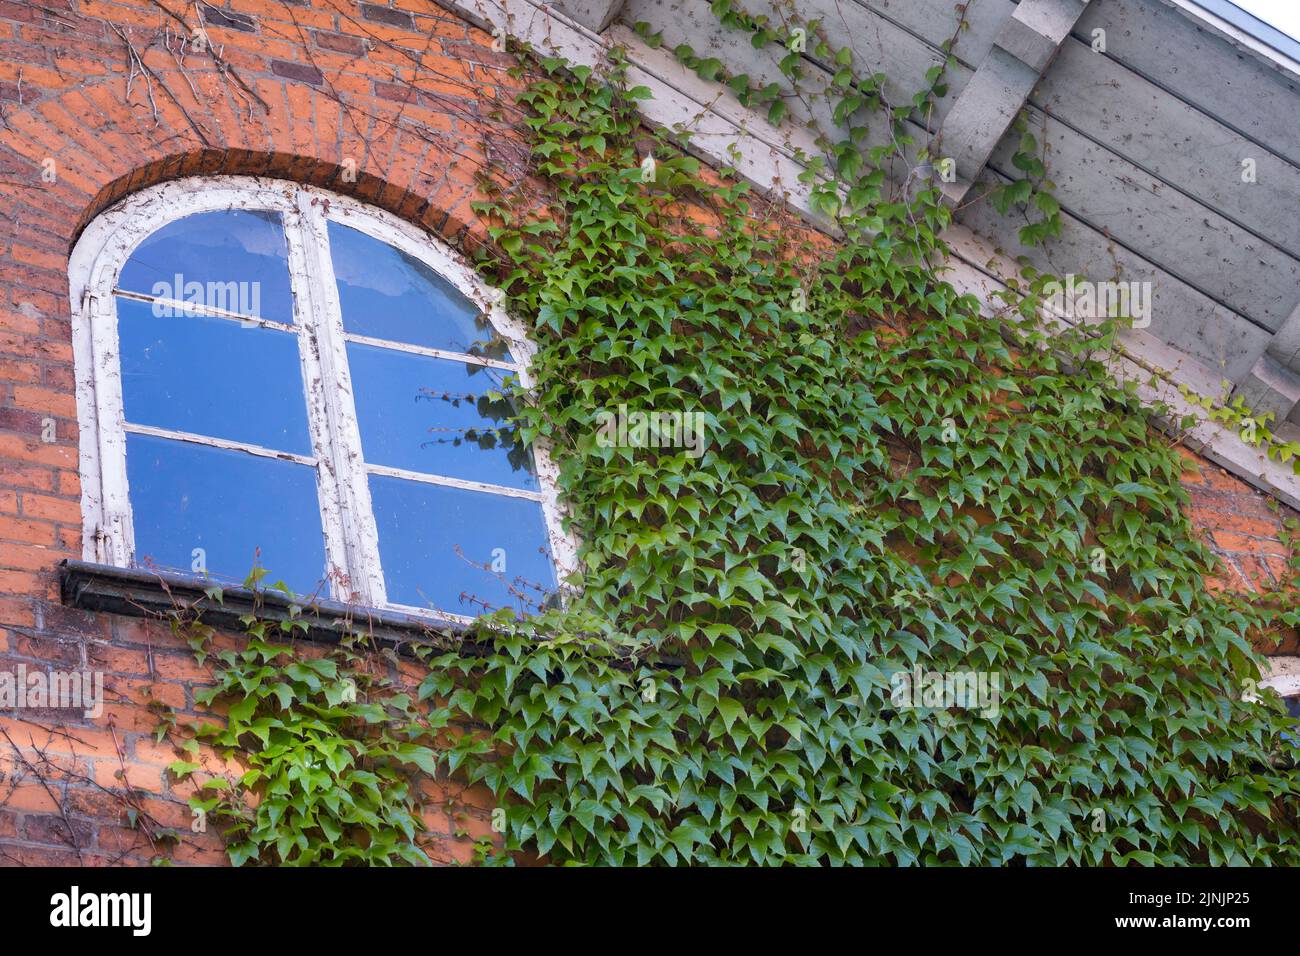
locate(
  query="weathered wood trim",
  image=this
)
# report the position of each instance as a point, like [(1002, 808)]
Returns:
[(1239, 38), (1183, 56), (1221, 316), (1282, 674), (764, 155), (1273, 383), (349, 515), (1285, 345), (1185, 148), (1269, 387), (595, 15), (1001, 86), (933, 22)]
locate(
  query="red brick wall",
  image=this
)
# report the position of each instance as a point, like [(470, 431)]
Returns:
[(306, 91), (404, 91), (1241, 527)]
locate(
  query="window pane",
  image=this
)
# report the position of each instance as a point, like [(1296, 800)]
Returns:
[(424, 414), (213, 377), (234, 260), (229, 504), (387, 294), (420, 526)]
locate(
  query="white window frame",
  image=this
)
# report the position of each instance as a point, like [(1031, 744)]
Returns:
[(1282, 673), (355, 573)]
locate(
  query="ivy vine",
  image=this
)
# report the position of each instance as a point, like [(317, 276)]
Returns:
[(322, 755), (892, 481), (892, 484)]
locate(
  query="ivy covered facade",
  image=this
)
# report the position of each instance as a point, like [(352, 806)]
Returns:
[(885, 572)]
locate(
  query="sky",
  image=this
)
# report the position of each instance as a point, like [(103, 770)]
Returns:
[(1283, 14)]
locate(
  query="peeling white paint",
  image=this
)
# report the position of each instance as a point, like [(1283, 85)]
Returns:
[(1283, 675)]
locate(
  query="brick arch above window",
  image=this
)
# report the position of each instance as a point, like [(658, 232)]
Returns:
[(436, 199), (412, 148), (343, 359)]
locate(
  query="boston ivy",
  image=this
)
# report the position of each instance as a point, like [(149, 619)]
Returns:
[(892, 481), (894, 489), (323, 754)]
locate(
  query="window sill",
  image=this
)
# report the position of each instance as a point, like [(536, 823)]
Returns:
[(136, 592)]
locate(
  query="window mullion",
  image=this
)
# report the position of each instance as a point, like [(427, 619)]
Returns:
[(339, 417), (313, 376)]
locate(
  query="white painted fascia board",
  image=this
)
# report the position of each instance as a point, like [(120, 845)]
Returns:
[(727, 134), (1237, 37), (1283, 675)]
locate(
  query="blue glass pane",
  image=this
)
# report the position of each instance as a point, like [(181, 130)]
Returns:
[(427, 415), (387, 294), (233, 260), (1293, 710), (229, 504), (420, 526), (210, 376)]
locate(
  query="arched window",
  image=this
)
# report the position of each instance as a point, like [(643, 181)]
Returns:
[(268, 368)]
